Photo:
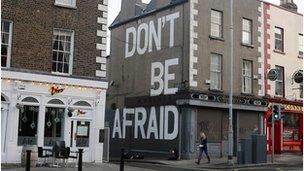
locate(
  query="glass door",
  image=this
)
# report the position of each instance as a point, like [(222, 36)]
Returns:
[(80, 137)]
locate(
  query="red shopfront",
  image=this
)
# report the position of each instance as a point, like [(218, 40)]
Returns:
[(289, 131)]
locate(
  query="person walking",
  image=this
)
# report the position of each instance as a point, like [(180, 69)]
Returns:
[(202, 148)]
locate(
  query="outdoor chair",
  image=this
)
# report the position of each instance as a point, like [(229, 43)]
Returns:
[(60, 151), (42, 153)]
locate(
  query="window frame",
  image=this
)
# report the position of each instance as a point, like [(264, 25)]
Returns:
[(282, 39), (221, 31), (300, 45), (70, 63), (247, 76), (71, 5), (220, 86), (9, 48), (281, 81), (250, 31)]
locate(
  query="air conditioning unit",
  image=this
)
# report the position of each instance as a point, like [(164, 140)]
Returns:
[(207, 82)]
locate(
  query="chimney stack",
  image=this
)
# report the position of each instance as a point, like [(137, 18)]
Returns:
[(289, 5)]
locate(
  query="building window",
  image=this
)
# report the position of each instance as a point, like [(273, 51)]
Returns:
[(68, 3), (247, 32), (247, 77), (216, 24), (53, 125), (27, 129), (6, 43), (279, 39), (301, 45), (279, 83), (63, 41), (216, 72)]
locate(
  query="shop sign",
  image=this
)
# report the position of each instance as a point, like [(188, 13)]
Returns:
[(298, 76), (273, 74), (55, 89), (292, 107)]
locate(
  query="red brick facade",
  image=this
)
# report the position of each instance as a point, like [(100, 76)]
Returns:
[(33, 24)]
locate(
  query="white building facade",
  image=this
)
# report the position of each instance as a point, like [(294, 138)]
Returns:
[(31, 115)]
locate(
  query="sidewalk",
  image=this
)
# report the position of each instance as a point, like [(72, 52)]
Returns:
[(221, 163), (86, 167)]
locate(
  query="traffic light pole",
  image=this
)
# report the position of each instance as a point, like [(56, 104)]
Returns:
[(272, 139)]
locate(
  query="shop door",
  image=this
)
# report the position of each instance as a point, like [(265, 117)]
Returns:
[(80, 138), (4, 122)]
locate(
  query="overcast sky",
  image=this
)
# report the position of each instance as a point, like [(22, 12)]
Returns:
[(114, 8)]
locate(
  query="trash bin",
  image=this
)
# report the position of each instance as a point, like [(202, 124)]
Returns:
[(259, 149), (245, 153)]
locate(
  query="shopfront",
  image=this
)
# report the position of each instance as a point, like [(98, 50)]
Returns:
[(39, 113), (288, 133)]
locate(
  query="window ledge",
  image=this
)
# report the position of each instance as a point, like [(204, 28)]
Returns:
[(247, 45), (247, 94), (300, 56), (280, 52), (216, 90), (216, 38), (65, 6), (59, 73)]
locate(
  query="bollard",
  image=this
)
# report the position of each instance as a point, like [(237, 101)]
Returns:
[(122, 159), (28, 160), (80, 159)]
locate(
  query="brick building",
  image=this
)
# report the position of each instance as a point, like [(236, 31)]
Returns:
[(53, 62), (282, 48), (169, 69)]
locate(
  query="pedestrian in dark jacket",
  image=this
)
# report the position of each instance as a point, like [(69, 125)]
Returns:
[(202, 148)]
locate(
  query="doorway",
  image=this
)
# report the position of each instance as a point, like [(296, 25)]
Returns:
[(80, 137)]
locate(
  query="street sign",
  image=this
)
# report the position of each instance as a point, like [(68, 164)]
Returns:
[(273, 74)]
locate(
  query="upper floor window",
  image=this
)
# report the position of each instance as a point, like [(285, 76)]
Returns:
[(6, 43), (301, 45), (216, 24), (63, 41), (68, 3), (247, 31), (247, 77), (279, 39), (279, 83), (216, 72)]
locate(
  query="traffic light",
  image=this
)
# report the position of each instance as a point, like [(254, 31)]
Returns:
[(276, 112)]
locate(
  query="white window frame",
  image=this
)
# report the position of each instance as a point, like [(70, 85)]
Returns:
[(282, 38), (300, 45), (279, 80), (70, 71), (9, 48), (216, 71), (244, 31), (247, 75), (66, 3), (215, 23)]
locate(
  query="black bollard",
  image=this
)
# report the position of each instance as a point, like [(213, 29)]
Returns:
[(80, 159), (28, 160), (122, 159)]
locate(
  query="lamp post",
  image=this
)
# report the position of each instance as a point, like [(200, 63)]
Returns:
[(230, 129)]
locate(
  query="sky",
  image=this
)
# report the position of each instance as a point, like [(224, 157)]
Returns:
[(114, 8)]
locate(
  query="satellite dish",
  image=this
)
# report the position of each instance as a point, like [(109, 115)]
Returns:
[(298, 76), (273, 74)]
